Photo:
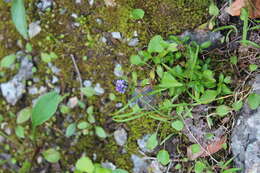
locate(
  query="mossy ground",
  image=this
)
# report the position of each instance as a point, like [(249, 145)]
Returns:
[(58, 35)]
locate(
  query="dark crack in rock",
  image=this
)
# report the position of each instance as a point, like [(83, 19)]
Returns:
[(245, 141), (14, 89)]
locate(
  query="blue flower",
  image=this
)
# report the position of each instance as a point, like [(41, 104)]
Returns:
[(121, 86)]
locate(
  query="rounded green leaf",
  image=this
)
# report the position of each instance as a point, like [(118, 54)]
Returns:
[(100, 132), (199, 167), (24, 115), (19, 131), (195, 148), (51, 155), (84, 164), (177, 125), (163, 157), (222, 110), (237, 105), (136, 60), (45, 108), (137, 14), (102, 170), (156, 44), (7, 61), (83, 125), (254, 100), (71, 129), (119, 171), (152, 142)]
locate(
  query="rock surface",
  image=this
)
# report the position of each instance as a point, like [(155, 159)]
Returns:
[(245, 141), (120, 136), (14, 89)]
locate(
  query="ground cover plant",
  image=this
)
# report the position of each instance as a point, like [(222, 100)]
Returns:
[(115, 86)]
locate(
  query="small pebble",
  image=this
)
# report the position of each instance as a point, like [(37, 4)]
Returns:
[(116, 35), (87, 83), (72, 103), (133, 42), (118, 70), (54, 80), (74, 15), (120, 136), (99, 21), (103, 39), (91, 2), (98, 89), (33, 90), (34, 29), (108, 165)]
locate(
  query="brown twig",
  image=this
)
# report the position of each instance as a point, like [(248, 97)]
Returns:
[(78, 73)]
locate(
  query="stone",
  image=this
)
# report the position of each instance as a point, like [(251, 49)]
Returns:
[(44, 4), (120, 136), (142, 143), (139, 163), (87, 83), (73, 102), (116, 35), (91, 2), (108, 165), (245, 139), (14, 89), (133, 42), (34, 29), (54, 80), (118, 71), (98, 89)]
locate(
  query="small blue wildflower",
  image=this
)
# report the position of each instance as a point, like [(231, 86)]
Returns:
[(121, 86)]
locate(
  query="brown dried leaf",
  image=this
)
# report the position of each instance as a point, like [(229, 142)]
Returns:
[(253, 5), (211, 149)]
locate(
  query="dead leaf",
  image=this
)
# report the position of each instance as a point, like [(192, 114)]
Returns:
[(110, 3), (253, 5), (211, 149)]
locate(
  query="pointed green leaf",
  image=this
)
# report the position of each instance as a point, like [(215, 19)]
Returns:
[(152, 142), (45, 108), (19, 17)]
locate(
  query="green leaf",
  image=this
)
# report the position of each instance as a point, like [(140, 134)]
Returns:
[(24, 115), (45, 57), (156, 44), (7, 61), (45, 108), (177, 125), (28, 47), (168, 81), (119, 171), (84, 164), (205, 45), (152, 142), (159, 71), (163, 157), (102, 170), (83, 125), (195, 148), (88, 91), (208, 96), (136, 60), (254, 100), (19, 131), (71, 129), (237, 105), (253, 67), (222, 110), (100, 132), (91, 119), (26, 167), (233, 60), (19, 17), (51, 155), (213, 9), (137, 14), (199, 167)]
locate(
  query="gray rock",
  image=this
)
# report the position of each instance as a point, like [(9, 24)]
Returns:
[(133, 42), (87, 83), (78, 1), (156, 167), (245, 140), (53, 68), (116, 35), (140, 165), (142, 143), (103, 39), (120, 136), (54, 80), (44, 4), (33, 90), (108, 165), (98, 89), (119, 105), (34, 29), (118, 71), (14, 89)]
